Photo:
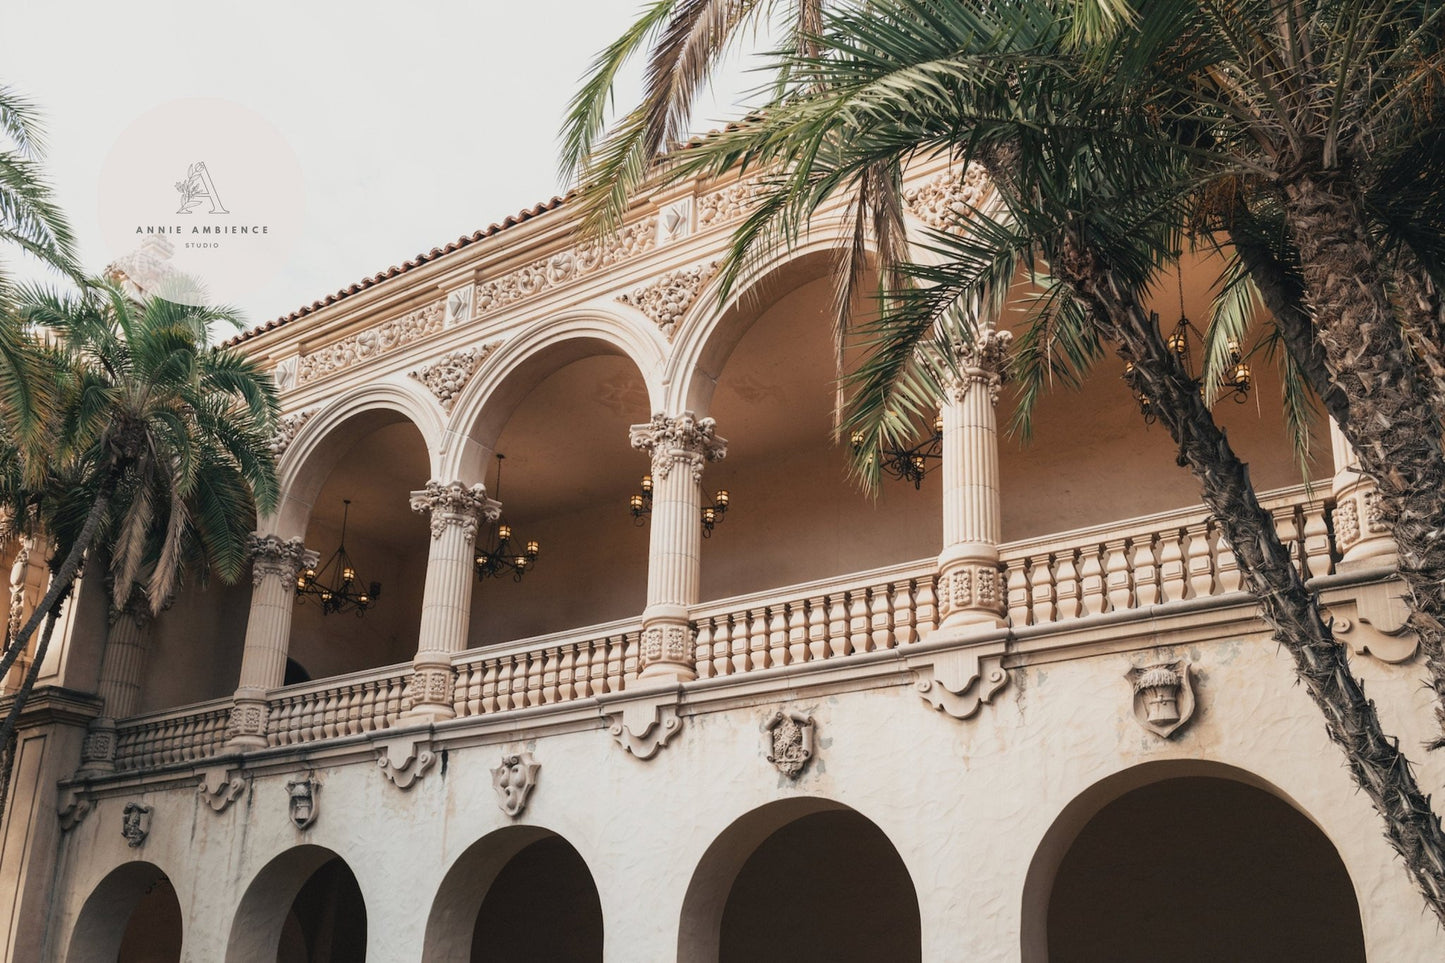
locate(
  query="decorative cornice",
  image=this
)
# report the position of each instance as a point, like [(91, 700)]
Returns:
[(272, 555), (455, 503), (567, 266), (946, 201), (447, 376), (286, 428), (684, 439), (377, 340), (665, 301)]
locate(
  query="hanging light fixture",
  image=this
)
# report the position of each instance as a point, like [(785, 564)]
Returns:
[(640, 504), (909, 464), (336, 585), (502, 554), (1235, 381)]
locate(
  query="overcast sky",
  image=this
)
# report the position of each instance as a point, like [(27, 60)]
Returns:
[(412, 123)]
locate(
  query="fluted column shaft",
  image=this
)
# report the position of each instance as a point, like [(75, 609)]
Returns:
[(275, 563), (457, 511), (1360, 533), (969, 590), (680, 446), (124, 659)]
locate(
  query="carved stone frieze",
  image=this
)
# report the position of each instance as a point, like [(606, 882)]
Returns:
[(667, 643), (404, 759), (1163, 696), (220, 786), (514, 781), (665, 301), (790, 741), (684, 440), (374, 341), (275, 556), (447, 377), (945, 201), (729, 204), (286, 428), (301, 803), (959, 682), (645, 722), (555, 270), (135, 824), (73, 807), (455, 503)]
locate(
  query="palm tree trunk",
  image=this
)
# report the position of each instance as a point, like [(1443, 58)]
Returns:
[(1292, 610), (12, 719), (1392, 425)]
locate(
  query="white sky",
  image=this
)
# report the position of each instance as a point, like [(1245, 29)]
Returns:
[(413, 123)]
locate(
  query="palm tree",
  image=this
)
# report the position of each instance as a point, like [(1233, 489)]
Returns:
[(158, 449), (1099, 179)]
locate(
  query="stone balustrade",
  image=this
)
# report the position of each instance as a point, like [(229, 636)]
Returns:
[(1172, 556)]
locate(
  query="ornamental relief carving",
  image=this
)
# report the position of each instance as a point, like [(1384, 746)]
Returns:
[(1163, 696), (220, 787), (984, 362), (301, 799), (685, 439), (728, 204), (546, 273), (456, 504), (368, 344), (514, 781), (273, 555), (790, 741), (670, 643), (946, 201), (969, 587), (446, 377), (405, 760), (286, 428), (665, 301), (135, 824)]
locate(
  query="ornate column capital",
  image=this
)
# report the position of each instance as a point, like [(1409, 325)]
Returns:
[(681, 440), (273, 555), (983, 362), (455, 503)]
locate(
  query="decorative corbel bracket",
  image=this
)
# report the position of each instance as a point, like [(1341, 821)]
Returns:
[(75, 805), (646, 722), (405, 759), (1380, 626), (219, 787), (959, 682)]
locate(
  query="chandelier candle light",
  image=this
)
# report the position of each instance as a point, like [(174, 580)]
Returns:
[(336, 584), (640, 504), (499, 556), (909, 464)]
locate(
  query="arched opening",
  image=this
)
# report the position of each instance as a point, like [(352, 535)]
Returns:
[(132, 916), (801, 880), (305, 906), (1204, 865), (561, 420), (502, 900)]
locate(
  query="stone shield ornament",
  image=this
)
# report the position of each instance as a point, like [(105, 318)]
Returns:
[(790, 742), (514, 780), (136, 824), (1163, 696), (301, 792)]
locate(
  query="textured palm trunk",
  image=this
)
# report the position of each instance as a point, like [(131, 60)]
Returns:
[(1392, 423), (1292, 610)]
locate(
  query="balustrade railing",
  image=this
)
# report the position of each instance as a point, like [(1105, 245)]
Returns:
[(1162, 558)]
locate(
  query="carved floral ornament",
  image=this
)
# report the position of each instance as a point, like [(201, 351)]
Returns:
[(684, 439), (273, 555), (564, 267), (1163, 696), (447, 377), (374, 341), (984, 362), (790, 741), (727, 204), (666, 300), (287, 427), (455, 503), (945, 201)]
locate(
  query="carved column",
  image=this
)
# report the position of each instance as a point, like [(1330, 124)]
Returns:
[(456, 512), (120, 679), (680, 446), (275, 563), (1359, 532), (969, 592)]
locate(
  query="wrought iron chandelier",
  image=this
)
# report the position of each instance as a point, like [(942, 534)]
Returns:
[(640, 504), (1234, 382), (501, 554), (909, 464), (336, 585)]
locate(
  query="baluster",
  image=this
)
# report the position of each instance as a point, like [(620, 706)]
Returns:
[(1146, 573), (276, 734), (598, 671), (1228, 565), (1289, 534), (778, 635), (1171, 566), (330, 730), (926, 606), (615, 679), (859, 639), (1041, 591), (567, 673), (1120, 596), (758, 640), (1066, 586), (365, 706), (838, 626), (1092, 597), (880, 618), (631, 644), (522, 680), (722, 662), (550, 666), (1197, 560), (702, 651), (394, 687), (504, 684), (582, 670), (1019, 592), (1316, 541), (904, 632), (797, 631)]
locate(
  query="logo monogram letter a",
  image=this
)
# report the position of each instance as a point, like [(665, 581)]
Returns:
[(196, 186)]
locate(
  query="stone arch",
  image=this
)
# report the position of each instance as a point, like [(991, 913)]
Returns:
[(1075, 817), (707, 336), (705, 932), (468, 884), (261, 918), (327, 435), (528, 358), (101, 929)]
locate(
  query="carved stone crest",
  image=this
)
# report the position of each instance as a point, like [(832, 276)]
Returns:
[(514, 780), (301, 795), (135, 823), (790, 741), (1163, 696), (220, 787)]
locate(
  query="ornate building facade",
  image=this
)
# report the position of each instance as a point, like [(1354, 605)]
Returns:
[(1015, 710)]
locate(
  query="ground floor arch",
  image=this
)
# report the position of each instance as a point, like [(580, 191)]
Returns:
[(305, 906), (519, 894), (801, 880), (1193, 861), (132, 916)]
